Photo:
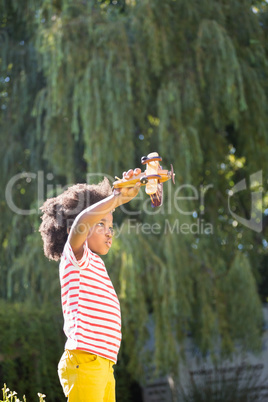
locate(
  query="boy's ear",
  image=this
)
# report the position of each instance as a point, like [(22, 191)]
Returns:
[(68, 230)]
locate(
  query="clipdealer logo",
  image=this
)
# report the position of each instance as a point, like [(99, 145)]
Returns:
[(175, 199), (255, 222)]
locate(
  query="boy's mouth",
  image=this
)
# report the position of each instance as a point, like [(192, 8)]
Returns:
[(109, 243)]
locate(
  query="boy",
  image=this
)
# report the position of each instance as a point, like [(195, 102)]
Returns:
[(92, 321)]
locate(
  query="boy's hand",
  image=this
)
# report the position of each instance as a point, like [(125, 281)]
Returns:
[(125, 194)]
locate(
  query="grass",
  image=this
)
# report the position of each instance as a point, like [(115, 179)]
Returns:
[(11, 396)]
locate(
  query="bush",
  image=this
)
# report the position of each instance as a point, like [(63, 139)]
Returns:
[(31, 343)]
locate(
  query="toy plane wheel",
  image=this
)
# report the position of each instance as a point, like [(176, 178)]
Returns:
[(144, 180)]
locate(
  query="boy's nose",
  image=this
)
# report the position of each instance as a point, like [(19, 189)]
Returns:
[(108, 233)]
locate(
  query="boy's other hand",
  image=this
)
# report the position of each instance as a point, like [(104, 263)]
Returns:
[(125, 194)]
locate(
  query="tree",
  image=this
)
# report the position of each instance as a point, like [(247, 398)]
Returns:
[(104, 83)]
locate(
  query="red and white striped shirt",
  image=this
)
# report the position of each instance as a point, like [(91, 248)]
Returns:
[(91, 310)]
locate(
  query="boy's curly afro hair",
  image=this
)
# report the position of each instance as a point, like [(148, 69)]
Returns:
[(59, 213)]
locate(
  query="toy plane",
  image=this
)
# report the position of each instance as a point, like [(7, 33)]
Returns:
[(153, 178)]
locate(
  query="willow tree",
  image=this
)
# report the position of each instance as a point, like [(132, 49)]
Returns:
[(104, 83)]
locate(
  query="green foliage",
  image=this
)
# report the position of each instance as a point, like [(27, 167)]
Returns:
[(88, 88), (31, 345), (243, 305)]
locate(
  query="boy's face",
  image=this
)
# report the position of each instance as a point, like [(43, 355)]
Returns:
[(99, 238)]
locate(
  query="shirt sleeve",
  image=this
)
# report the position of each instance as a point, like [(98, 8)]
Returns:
[(69, 255)]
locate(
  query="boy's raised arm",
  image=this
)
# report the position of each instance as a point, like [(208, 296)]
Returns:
[(94, 213)]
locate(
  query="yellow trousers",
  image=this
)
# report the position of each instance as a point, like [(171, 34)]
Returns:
[(86, 377)]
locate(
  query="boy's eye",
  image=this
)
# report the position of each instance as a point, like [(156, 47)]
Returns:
[(101, 225)]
